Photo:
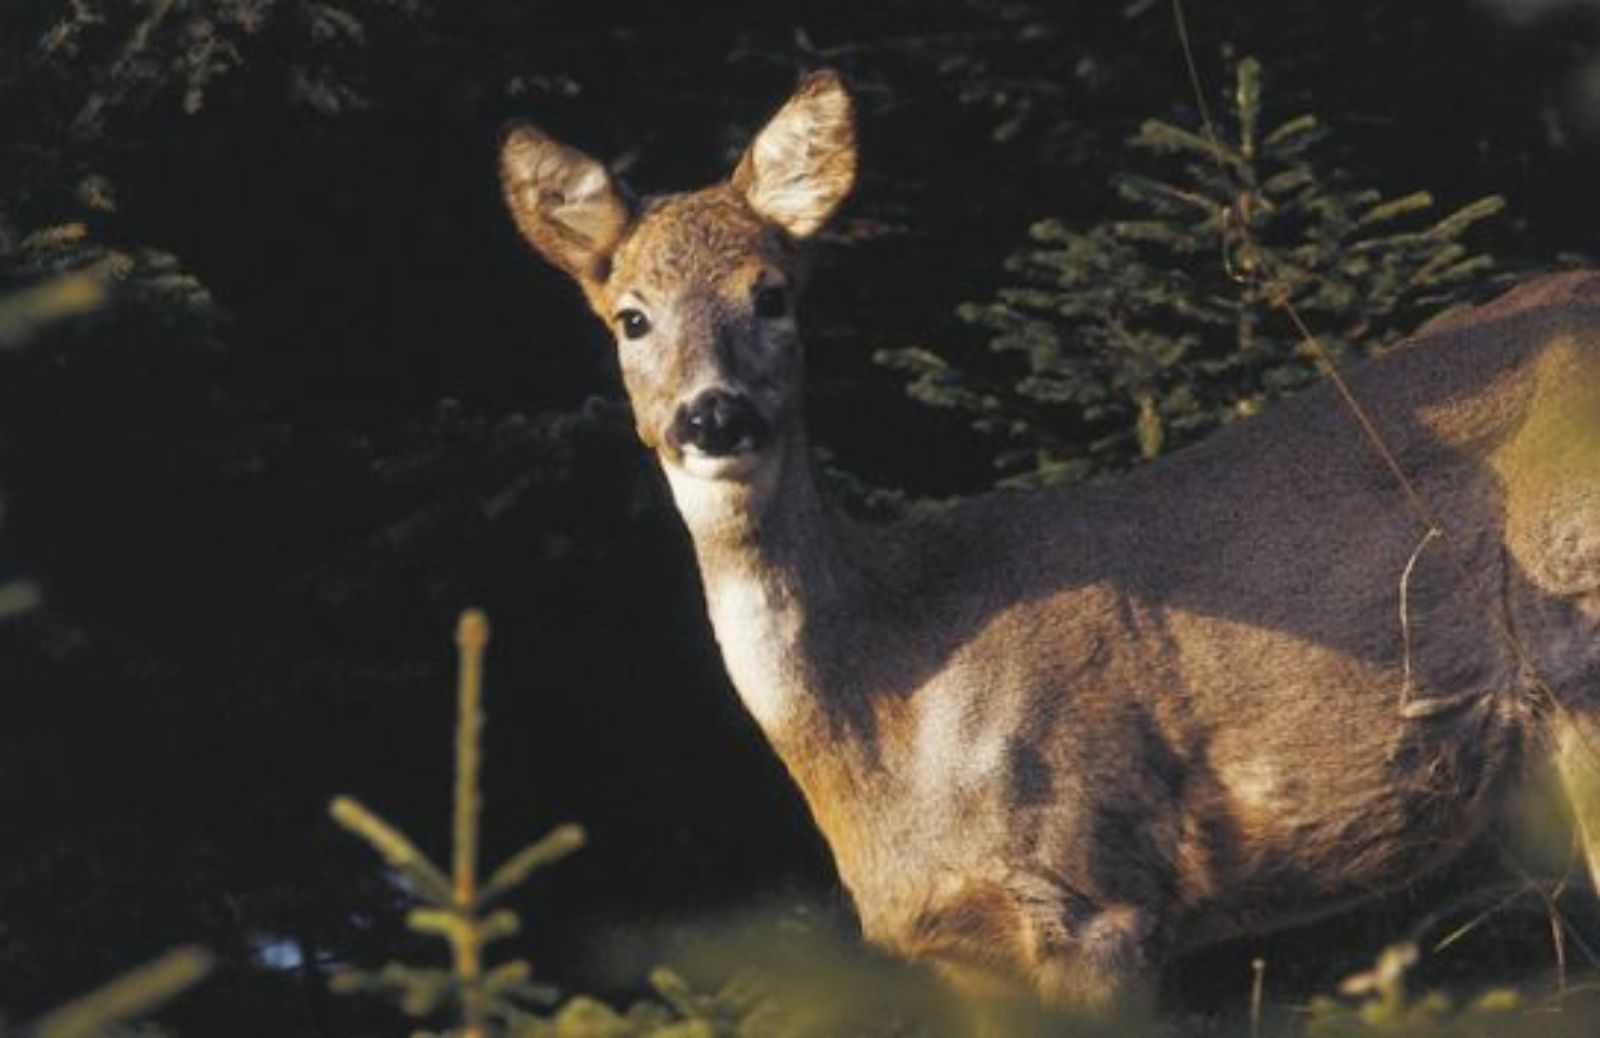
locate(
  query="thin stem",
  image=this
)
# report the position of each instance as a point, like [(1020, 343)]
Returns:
[(472, 634), (1258, 982)]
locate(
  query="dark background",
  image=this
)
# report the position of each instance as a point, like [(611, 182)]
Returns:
[(254, 515)]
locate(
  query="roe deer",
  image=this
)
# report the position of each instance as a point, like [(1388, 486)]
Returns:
[(1057, 736)]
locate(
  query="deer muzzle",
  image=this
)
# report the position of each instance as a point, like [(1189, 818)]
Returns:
[(719, 423)]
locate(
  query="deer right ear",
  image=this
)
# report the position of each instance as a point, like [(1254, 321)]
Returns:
[(803, 162), (563, 201)]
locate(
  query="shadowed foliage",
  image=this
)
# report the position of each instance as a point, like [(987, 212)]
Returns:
[(282, 392)]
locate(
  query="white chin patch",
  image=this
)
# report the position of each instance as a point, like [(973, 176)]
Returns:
[(725, 466)]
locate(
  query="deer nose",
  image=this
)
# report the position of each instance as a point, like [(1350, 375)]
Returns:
[(719, 423)]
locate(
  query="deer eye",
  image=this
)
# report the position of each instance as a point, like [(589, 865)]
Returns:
[(771, 302), (634, 323)]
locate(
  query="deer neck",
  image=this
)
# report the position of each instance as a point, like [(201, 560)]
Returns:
[(775, 580), (793, 607)]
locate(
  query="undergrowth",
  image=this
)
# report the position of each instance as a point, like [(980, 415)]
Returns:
[(776, 979), (1140, 334)]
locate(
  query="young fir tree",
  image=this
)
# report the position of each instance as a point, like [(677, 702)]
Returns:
[(457, 906), (1140, 334)]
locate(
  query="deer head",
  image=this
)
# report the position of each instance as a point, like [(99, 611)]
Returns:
[(699, 288)]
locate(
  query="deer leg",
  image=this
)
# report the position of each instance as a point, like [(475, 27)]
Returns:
[(1577, 758), (1098, 968), (1102, 966), (1028, 942)]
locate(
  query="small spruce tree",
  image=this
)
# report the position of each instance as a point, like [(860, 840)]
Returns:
[(457, 906), (1140, 334)]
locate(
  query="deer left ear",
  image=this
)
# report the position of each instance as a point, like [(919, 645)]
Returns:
[(564, 202), (803, 163)]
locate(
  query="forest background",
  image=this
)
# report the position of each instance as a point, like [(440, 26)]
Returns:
[(281, 392)]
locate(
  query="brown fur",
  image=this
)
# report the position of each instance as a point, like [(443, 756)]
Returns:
[(1058, 736)]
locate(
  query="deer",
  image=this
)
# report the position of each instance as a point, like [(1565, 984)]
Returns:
[(1054, 738)]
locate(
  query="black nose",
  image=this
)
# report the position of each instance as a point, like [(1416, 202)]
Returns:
[(719, 424)]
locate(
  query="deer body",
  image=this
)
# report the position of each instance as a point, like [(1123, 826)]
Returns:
[(1179, 697), (1056, 736)]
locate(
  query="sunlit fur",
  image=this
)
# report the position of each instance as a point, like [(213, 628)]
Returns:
[(1056, 737)]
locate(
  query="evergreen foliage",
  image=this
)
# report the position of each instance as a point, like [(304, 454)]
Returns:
[(67, 272), (456, 906), (1142, 333), (1376, 1004), (165, 51), (112, 1008), (97, 77)]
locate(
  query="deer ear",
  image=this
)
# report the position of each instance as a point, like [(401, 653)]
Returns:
[(802, 164), (563, 201)]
